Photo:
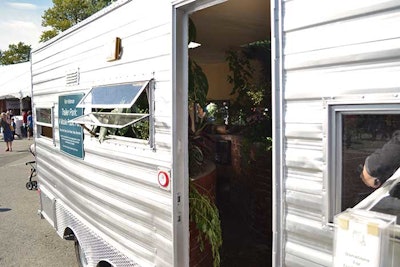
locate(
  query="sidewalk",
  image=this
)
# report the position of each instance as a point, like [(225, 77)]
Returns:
[(19, 145)]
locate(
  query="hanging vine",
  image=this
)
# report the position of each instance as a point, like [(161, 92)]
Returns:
[(204, 213)]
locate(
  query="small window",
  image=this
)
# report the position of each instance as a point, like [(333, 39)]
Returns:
[(44, 122), (113, 96), (357, 131), (43, 115), (118, 110)]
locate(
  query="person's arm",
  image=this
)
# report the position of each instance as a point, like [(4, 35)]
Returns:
[(381, 165)]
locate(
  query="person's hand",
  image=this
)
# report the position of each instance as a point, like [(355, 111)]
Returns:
[(368, 179)]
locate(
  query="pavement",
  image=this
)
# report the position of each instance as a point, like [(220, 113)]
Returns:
[(26, 240), (20, 147)]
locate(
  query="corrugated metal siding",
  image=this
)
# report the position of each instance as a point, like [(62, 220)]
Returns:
[(114, 189), (347, 50)]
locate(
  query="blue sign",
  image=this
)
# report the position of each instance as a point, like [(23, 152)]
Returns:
[(71, 134)]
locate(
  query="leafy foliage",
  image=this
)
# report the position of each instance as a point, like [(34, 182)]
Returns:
[(251, 110), (66, 13), (200, 143), (16, 53), (139, 129), (198, 84), (206, 217), (242, 72)]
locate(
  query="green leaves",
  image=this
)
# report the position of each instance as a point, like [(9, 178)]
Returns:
[(198, 84), (66, 13), (205, 214), (16, 53)]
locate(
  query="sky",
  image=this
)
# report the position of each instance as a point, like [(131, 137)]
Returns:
[(20, 21)]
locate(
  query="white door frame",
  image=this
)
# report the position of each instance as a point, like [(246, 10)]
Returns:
[(181, 9)]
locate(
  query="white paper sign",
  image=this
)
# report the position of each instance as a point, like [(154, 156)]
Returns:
[(356, 247), (360, 241)]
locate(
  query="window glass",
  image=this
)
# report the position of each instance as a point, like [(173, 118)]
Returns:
[(113, 96), (107, 119), (45, 131), (44, 122), (118, 110), (362, 134), (43, 115), (356, 132)]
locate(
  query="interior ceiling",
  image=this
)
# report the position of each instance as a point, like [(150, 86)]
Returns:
[(228, 26)]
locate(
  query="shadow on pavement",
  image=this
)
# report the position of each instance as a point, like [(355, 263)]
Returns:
[(4, 209)]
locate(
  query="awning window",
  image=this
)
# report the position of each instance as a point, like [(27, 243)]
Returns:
[(113, 96), (112, 104)]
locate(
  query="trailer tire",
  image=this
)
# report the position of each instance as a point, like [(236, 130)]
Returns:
[(80, 254)]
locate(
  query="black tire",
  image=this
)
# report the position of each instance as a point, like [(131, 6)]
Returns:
[(29, 185), (80, 254)]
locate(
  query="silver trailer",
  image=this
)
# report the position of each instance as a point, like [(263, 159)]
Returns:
[(336, 89), (125, 200), (123, 197), (120, 198)]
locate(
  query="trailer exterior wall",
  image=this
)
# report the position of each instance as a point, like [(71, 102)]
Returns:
[(339, 51), (111, 199)]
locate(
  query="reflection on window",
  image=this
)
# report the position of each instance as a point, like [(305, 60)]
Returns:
[(118, 110), (43, 115), (44, 122), (113, 96), (362, 134)]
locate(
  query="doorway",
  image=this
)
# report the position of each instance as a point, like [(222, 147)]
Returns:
[(225, 33)]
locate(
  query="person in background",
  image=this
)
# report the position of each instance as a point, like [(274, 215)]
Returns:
[(30, 124), (382, 163), (7, 133), (24, 123), (8, 117), (12, 126)]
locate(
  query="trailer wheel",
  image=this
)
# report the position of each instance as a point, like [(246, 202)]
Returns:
[(80, 254)]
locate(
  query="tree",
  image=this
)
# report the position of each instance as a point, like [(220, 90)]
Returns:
[(66, 13), (16, 53)]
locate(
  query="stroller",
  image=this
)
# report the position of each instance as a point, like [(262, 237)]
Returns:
[(32, 184)]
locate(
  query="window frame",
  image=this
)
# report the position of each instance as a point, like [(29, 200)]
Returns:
[(91, 119), (45, 124), (148, 85), (333, 133), (142, 86)]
